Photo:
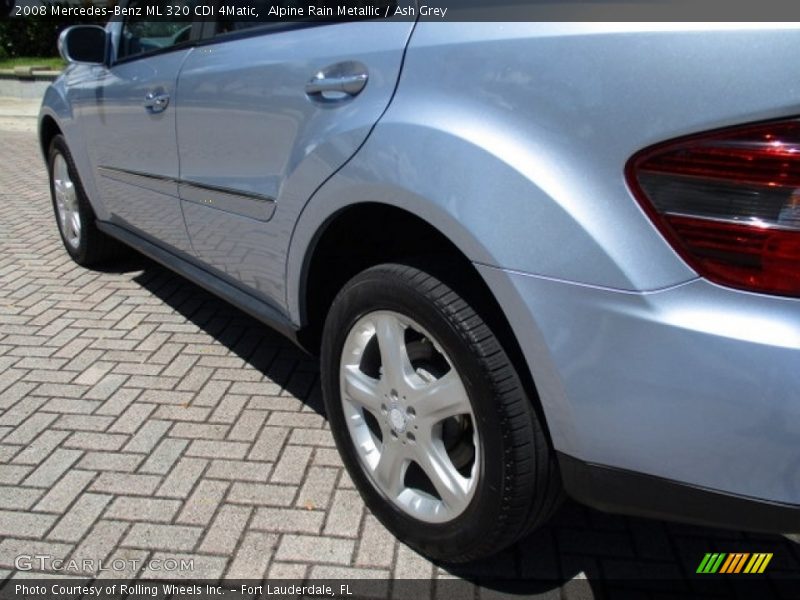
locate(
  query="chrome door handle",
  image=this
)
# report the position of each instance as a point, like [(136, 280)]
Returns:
[(348, 84), (156, 101), (337, 82)]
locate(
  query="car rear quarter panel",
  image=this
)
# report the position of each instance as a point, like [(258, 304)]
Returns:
[(514, 136), (512, 140)]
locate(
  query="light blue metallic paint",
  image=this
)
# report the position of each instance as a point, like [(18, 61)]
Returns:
[(275, 140), (511, 140), (528, 128), (697, 383), (537, 123), (121, 133), (57, 105)]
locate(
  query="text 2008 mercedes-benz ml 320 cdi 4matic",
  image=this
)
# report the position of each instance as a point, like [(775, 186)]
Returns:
[(534, 258)]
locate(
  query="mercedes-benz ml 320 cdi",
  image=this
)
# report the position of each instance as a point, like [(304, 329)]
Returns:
[(534, 257)]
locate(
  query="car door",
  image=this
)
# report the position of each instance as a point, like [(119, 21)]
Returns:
[(266, 113), (130, 124)]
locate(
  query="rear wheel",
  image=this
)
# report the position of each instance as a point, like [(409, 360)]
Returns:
[(431, 418), (76, 220)]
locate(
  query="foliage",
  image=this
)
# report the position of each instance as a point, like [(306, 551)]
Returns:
[(51, 62), (37, 36)]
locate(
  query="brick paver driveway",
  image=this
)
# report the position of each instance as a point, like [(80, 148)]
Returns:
[(142, 418)]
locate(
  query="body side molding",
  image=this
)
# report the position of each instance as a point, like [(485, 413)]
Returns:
[(254, 206)]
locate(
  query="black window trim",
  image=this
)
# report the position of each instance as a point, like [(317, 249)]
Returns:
[(209, 35), (204, 32)]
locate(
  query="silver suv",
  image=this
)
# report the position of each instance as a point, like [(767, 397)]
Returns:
[(533, 257)]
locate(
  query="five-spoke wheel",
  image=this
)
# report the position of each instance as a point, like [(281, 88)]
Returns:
[(409, 416), (76, 219), (66, 199), (431, 418)]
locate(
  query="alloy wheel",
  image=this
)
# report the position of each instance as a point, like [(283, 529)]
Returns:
[(66, 196), (409, 417)]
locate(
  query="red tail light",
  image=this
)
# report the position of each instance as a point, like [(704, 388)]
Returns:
[(729, 203)]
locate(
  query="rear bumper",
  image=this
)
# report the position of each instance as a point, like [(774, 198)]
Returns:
[(619, 491), (696, 385)]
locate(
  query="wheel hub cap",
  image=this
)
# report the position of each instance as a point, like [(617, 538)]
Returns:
[(397, 419)]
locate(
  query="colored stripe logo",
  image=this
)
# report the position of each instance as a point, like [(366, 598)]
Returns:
[(735, 562)]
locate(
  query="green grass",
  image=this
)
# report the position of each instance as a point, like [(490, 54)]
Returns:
[(51, 62)]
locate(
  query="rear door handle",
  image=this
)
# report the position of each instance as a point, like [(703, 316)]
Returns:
[(349, 84), (338, 82), (156, 102)]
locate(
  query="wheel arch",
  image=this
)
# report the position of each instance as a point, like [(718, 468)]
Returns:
[(345, 234), (53, 116), (48, 129), (335, 253)]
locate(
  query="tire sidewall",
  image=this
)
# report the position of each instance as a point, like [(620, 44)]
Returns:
[(371, 293)]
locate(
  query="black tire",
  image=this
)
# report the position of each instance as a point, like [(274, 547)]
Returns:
[(93, 247), (519, 487)]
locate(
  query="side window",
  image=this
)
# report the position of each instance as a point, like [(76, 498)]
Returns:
[(277, 13), (142, 35), (228, 24)]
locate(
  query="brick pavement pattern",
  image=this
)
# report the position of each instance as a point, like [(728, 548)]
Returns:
[(142, 418)]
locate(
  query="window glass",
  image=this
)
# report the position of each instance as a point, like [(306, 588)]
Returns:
[(259, 13), (141, 35), (228, 22)]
